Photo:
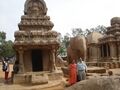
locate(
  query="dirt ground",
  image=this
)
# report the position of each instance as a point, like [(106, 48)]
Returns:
[(19, 87), (4, 86)]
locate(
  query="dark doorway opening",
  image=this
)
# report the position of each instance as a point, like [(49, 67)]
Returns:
[(37, 62)]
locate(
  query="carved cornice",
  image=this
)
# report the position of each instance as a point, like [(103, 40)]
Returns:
[(36, 37), (113, 30), (38, 23), (33, 33), (37, 42)]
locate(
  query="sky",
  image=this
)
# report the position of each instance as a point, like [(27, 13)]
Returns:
[(65, 14)]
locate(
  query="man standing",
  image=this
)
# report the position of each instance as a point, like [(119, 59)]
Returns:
[(81, 69)]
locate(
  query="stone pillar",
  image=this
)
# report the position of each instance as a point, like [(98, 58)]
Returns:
[(52, 59), (102, 51), (91, 51), (95, 50), (53, 55), (107, 50), (90, 55), (113, 51), (99, 53), (21, 62), (118, 44)]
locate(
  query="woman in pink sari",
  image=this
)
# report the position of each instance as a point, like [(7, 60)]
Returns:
[(72, 73)]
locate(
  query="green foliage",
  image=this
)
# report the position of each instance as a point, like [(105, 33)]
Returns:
[(2, 35), (77, 31), (64, 41), (101, 29), (62, 51), (6, 47)]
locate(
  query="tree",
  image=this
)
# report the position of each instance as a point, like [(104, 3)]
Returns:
[(2, 35), (77, 31), (61, 49), (64, 42), (6, 47), (100, 28)]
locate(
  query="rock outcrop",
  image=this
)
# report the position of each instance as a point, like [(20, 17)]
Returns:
[(99, 83)]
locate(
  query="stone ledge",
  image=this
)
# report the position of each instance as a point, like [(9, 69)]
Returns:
[(37, 77), (96, 70)]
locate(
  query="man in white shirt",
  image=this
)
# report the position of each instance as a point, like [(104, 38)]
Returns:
[(81, 69)]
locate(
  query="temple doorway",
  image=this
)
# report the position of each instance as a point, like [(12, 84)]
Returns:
[(37, 61)]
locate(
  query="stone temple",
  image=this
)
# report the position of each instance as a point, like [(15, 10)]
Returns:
[(36, 45), (105, 48)]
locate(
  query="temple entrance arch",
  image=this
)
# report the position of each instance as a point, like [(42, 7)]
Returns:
[(37, 60)]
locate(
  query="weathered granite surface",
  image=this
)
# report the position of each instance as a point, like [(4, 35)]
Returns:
[(99, 83)]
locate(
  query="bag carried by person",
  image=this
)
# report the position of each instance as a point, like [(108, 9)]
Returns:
[(4, 67)]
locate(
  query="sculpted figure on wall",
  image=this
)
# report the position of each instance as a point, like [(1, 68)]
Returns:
[(35, 8)]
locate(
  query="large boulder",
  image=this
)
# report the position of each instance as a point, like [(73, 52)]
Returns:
[(99, 83), (77, 48)]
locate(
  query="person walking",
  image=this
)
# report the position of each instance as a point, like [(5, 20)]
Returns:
[(81, 70), (72, 73), (6, 70)]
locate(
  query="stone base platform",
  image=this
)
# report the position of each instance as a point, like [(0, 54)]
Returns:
[(110, 65), (96, 70), (37, 78)]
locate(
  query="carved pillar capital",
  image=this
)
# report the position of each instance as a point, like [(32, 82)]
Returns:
[(20, 52)]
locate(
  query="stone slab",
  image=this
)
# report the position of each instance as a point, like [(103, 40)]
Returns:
[(39, 78)]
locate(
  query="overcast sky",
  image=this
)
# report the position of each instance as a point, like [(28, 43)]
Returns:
[(65, 14)]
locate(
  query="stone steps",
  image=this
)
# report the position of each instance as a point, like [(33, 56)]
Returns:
[(110, 65)]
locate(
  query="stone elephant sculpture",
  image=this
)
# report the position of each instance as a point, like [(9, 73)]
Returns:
[(77, 48)]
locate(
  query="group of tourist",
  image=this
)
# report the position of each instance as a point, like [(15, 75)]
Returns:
[(6, 69), (77, 71)]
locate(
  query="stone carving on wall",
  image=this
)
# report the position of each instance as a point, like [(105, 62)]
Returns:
[(35, 8)]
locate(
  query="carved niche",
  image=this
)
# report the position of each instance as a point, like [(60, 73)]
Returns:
[(35, 8)]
